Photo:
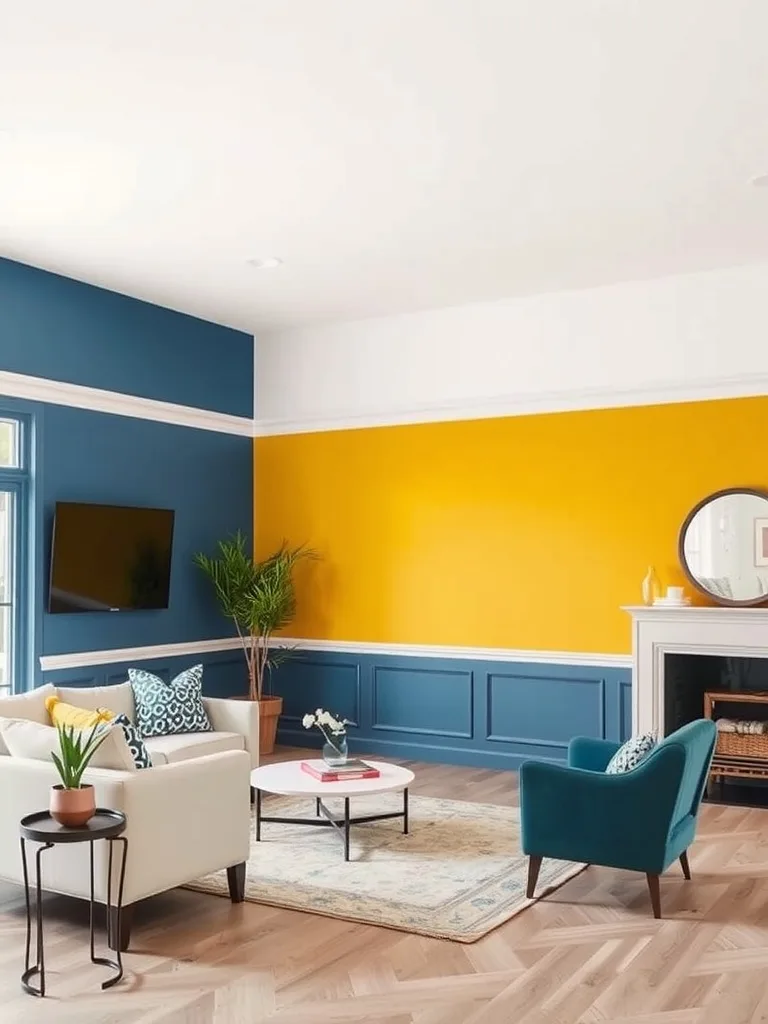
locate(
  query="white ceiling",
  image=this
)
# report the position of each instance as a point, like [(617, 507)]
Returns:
[(397, 154)]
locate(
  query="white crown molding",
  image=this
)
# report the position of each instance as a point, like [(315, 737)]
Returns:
[(84, 659), (660, 393), (78, 396), (115, 655), (458, 653)]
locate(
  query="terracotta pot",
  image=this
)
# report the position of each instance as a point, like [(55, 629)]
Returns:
[(72, 807), (270, 709)]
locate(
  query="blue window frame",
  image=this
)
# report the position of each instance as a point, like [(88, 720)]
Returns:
[(15, 467)]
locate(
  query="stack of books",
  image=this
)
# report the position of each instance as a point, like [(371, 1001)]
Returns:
[(353, 769)]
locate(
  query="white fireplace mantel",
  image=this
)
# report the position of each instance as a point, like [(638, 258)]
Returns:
[(657, 631)]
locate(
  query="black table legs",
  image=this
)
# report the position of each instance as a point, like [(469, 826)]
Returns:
[(113, 913), (324, 817), (346, 828), (258, 815), (38, 968)]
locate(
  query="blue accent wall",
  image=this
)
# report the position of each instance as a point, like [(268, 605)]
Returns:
[(51, 326), (494, 714), (206, 477), (67, 331)]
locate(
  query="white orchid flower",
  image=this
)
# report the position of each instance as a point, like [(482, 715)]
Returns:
[(324, 720)]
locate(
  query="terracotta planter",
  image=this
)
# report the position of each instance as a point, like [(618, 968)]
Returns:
[(270, 709), (72, 807)]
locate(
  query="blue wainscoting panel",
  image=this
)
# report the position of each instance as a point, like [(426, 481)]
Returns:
[(335, 680), (459, 711), (433, 702), (517, 704)]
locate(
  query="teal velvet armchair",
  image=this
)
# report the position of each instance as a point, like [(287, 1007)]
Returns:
[(641, 820)]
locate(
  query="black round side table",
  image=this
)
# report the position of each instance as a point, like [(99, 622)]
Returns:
[(40, 827)]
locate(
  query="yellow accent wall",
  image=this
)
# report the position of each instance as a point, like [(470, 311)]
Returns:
[(526, 532)]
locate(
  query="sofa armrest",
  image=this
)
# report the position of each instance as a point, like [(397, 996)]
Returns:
[(240, 716), (621, 821), (184, 820), (591, 754), (25, 786)]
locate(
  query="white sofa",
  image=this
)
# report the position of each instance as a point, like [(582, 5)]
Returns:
[(187, 815)]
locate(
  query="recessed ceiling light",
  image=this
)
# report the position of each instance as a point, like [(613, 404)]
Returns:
[(760, 181), (265, 263)]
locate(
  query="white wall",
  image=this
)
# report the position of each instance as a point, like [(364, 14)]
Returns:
[(684, 337)]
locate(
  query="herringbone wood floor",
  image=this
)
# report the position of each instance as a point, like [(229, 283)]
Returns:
[(588, 954)]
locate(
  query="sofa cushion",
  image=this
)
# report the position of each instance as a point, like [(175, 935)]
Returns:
[(164, 709), (32, 740), (118, 698), (188, 745), (27, 706)]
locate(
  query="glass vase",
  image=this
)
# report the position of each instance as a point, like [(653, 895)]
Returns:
[(335, 753), (651, 587)]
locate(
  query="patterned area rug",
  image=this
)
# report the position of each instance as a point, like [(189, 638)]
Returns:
[(458, 875)]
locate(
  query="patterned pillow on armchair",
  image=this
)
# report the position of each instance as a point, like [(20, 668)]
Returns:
[(631, 754)]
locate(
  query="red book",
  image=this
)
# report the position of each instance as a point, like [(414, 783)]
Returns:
[(326, 774)]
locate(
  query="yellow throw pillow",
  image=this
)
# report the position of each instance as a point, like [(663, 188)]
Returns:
[(80, 718)]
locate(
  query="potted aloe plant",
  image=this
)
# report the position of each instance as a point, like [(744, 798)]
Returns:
[(73, 802), (260, 598)]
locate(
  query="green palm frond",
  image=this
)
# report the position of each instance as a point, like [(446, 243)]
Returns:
[(259, 597)]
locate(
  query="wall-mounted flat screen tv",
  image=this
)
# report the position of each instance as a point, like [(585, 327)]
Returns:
[(110, 558)]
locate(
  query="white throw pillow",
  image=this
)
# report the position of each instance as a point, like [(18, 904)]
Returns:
[(29, 706), (117, 698), (35, 741), (630, 754)]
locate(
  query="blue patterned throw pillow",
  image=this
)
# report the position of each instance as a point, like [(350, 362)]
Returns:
[(631, 753), (139, 752), (163, 709)]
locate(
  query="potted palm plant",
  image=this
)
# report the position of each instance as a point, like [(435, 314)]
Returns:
[(260, 598), (73, 802)]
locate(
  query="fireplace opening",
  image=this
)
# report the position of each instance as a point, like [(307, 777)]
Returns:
[(734, 692)]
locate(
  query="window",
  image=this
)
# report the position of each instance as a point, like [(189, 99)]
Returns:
[(13, 517)]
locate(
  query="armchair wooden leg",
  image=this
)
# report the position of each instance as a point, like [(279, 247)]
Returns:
[(534, 866), (236, 882), (653, 888), (685, 865)]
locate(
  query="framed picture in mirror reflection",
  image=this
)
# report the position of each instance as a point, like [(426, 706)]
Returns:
[(761, 542)]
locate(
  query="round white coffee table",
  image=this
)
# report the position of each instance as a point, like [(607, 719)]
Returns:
[(288, 779)]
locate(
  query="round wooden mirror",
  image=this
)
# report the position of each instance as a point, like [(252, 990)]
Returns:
[(723, 546)]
